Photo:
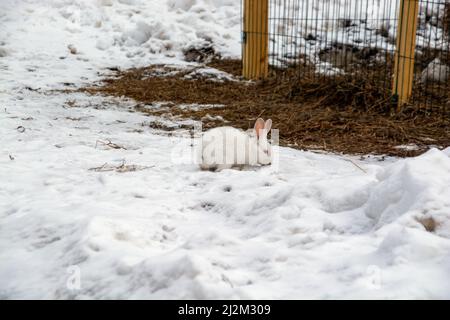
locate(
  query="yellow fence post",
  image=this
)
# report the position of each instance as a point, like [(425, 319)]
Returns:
[(404, 54), (255, 60)]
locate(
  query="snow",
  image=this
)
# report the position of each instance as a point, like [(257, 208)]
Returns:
[(109, 33), (302, 30), (315, 226), (435, 71)]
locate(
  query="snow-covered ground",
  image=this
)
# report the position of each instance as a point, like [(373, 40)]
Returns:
[(316, 226), (323, 30)]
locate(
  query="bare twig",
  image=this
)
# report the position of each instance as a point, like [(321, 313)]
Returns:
[(120, 168), (110, 144), (356, 165)]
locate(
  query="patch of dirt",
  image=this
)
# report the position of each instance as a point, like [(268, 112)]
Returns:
[(203, 53), (348, 114), (428, 223)]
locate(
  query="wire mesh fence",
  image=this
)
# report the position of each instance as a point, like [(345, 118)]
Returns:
[(358, 40)]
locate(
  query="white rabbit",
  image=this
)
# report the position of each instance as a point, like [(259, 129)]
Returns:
[(228, 147)]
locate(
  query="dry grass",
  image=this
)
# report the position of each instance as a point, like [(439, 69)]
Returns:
[(348, 114), (429, 223)]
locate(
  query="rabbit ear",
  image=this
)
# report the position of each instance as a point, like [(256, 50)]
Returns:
[(268, 125), (259, 126)]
